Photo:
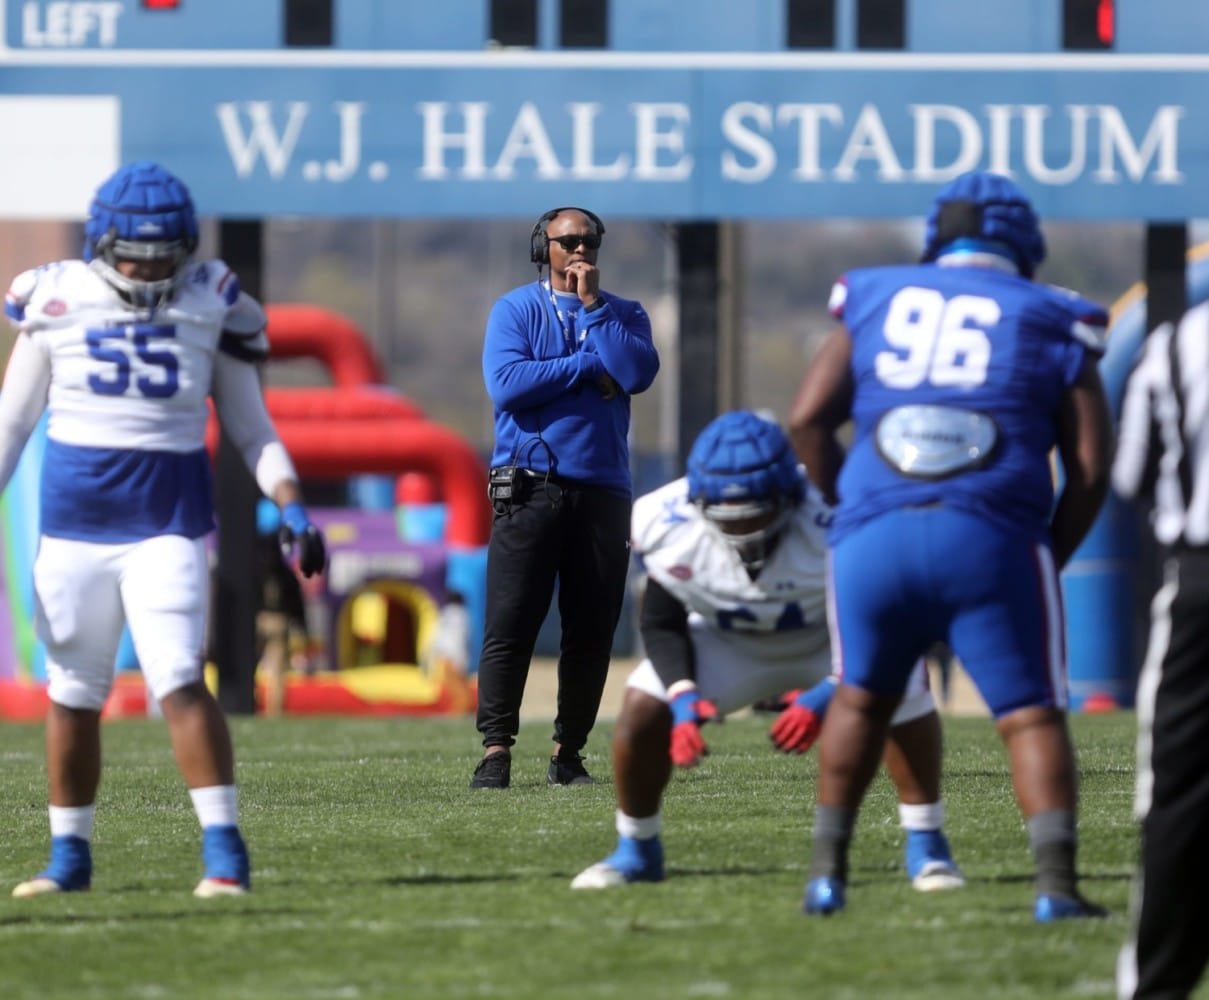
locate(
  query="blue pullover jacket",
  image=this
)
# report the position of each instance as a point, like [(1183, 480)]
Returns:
[(541, 374)]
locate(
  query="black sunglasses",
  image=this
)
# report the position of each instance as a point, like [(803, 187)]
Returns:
[(571, 241)]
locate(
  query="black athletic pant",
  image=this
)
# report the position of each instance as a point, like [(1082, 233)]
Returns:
[(579, 535), (1172, 897)]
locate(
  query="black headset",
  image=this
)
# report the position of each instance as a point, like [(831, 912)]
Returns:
[(539, 242)]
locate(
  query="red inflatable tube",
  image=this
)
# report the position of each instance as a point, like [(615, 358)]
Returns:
[(362, 403), (322, 450), (365, 402), (306, 331), (333, 450)]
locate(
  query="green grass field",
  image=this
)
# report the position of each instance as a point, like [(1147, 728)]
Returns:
[(378, 873)]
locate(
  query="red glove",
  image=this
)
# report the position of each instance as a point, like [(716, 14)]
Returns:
[(798, 726), (689, 713)]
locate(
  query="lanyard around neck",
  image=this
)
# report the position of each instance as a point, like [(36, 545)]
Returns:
[(563, 320)]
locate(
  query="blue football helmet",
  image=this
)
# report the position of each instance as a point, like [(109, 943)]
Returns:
[(985, 212), (744, 476), (141, 213)]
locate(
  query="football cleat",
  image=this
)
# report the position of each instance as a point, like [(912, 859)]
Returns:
[(225, 858), (599, 876), (209, 888), (632, 861), (930, 865), (825, 895), (38, 886), (1050, 907), (70, 869)]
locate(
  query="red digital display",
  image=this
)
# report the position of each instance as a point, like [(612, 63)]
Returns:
[(161, 4), (1106, 22), (1089, 25)]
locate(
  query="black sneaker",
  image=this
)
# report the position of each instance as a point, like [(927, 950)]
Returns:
[(568, 769), (493, 771)]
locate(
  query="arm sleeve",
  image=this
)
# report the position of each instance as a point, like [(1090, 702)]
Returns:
[(664, 627), (243, 330), (22, 400), (241, 411), (515, 380), (620, 332)]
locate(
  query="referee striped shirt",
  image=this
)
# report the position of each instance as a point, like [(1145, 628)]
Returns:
[(1163, 436)]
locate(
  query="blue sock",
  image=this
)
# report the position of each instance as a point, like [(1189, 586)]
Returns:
[(225, 856), (640, 860), (70, 863)]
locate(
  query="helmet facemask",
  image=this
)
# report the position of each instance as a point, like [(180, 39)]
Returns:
[(751, 527), (146, 294)]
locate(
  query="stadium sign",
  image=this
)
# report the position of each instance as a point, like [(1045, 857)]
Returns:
[(656, 135), (454, 143)]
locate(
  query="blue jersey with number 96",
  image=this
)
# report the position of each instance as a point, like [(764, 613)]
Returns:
[(970, 343)]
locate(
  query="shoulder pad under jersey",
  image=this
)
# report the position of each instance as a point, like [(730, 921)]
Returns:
[(211, 278), (1084, 320), (243, 319), (658, 512), (838, 297), (43, 294)]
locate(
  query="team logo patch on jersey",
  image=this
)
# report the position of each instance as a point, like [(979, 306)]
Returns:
[(55, 307), (672, 514), (681, 572)]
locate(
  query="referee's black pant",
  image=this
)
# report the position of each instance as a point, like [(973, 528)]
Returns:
[(1171, 900), (580, 536)]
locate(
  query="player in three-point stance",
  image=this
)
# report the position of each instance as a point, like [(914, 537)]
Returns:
[(733, 613)]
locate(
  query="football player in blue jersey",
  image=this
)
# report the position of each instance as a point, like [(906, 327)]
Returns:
[(960, 375), (123, 349)]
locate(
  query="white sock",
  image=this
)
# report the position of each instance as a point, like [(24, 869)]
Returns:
[(72, 821), (215, 805), (926, 817), (639, 829)]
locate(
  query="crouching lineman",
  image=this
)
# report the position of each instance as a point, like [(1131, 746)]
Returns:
[(734, 612), (124, 348)]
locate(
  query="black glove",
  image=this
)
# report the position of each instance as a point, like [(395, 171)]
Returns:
[(297, 532)]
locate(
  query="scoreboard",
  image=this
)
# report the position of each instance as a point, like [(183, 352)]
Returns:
[(409, 113)]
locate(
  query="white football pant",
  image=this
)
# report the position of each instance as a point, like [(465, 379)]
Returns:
[(85, 593), (732, 675)]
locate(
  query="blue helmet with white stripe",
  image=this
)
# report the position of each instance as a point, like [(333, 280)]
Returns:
[(743, 474), (141, 213), (988, 213)]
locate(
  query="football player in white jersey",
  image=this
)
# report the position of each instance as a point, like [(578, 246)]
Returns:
[(735, 611), (123, 349)]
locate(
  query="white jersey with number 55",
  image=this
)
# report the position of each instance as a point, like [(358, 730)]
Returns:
[(126, 391)]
